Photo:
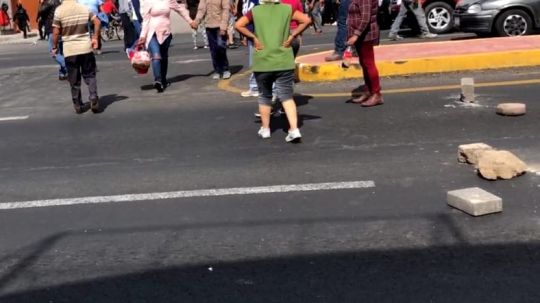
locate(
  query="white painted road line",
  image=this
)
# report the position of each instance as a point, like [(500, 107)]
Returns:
[(14, 118), (190, 194)]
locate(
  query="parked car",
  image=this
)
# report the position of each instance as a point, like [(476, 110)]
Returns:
[(439, 14), (500, 17)]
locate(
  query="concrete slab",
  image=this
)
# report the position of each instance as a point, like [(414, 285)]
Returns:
[(474, 201)]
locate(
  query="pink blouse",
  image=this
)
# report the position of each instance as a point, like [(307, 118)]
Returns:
[(156, 18)]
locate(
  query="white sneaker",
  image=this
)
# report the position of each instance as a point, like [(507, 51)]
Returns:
[(226, 75), (264, 133), (216, 76), (293, 136), (195, 47), (428, 36), (206, 46), (249, 93)]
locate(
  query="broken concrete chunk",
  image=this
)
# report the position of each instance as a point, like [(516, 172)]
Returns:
[(511, 109), (474, 201), (494, 164), (467, 90), (468, 153)]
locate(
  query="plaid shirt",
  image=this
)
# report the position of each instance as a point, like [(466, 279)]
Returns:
[(362, 20)]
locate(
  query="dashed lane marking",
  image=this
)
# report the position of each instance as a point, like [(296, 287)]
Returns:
[(13, 118), (190, 194)]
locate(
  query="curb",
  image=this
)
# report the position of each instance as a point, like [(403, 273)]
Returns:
[(332, 71)]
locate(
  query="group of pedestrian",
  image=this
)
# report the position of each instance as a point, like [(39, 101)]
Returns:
[(272, 29)]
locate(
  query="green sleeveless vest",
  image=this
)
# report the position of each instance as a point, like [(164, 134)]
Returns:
[(272, 23)]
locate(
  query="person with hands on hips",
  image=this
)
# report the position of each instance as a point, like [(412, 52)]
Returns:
[(363, 33), (273, 60), (71, 23), (156, 35), (216, 16)]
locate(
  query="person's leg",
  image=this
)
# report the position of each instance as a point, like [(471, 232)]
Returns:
[(284, 89), (213, 34), (252, 81), (59, 58), (205, 37), (88, 67), (40, 30), (372, 74), (155, 53), (25, 31), (341, 35), (129, 30), (399, 19), (421, 19), (317, 18), (194, 38), (295, 45), (264, 82), (222, 60), (74, 78), (164, 50)]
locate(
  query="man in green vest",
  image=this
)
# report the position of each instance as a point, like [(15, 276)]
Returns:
[(273, 60)]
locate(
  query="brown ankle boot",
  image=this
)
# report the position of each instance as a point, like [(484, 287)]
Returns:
[(364, 96), (374, 100)]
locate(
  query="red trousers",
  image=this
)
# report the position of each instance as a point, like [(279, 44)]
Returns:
[(367, 61)]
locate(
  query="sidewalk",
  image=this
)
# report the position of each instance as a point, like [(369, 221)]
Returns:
[(429, 57), (17, 38)]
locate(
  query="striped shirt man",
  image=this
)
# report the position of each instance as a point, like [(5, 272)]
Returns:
[(72, 19)]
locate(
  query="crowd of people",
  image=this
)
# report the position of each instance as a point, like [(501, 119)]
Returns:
[(271, 29)]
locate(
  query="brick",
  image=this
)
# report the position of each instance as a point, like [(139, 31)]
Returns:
[(468, 153), (511, 109), (474, 201)]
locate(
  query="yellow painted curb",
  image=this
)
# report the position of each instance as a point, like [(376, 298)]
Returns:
[(333, 71)]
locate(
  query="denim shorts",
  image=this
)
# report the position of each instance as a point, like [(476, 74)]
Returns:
[(284, 85)]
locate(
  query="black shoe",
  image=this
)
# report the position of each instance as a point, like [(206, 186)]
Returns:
[(81, 108), (158, 86), (94, 105)]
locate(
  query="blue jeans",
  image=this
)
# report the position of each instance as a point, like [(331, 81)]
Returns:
[(252, 81), (59, 58), (341, 35), (218, 50), (160, 58)]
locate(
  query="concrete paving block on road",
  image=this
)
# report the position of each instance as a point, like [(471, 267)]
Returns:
[(474, 201)]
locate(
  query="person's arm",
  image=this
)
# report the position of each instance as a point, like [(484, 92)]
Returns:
[(97, 31), (359, 23), (303, 22), (225, 11), (241, 27), (57, 27), (201, 12), (181, 10), (146, 22)]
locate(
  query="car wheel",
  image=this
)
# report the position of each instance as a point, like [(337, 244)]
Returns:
[(513, 23), (439, 17)]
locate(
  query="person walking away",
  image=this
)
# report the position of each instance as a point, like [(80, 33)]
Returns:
[(71, 23), (414, 7), (47, 10), (216, 15), (273, 60), (363, 33), (94, 6), (156, 35), (340, 42), (314, 11), (193, 6), (41, 22), (21, 19)]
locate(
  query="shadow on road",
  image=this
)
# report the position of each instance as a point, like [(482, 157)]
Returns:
[(105, 101), (460, 272)]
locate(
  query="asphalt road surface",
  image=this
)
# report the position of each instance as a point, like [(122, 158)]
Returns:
[(179, 201)]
